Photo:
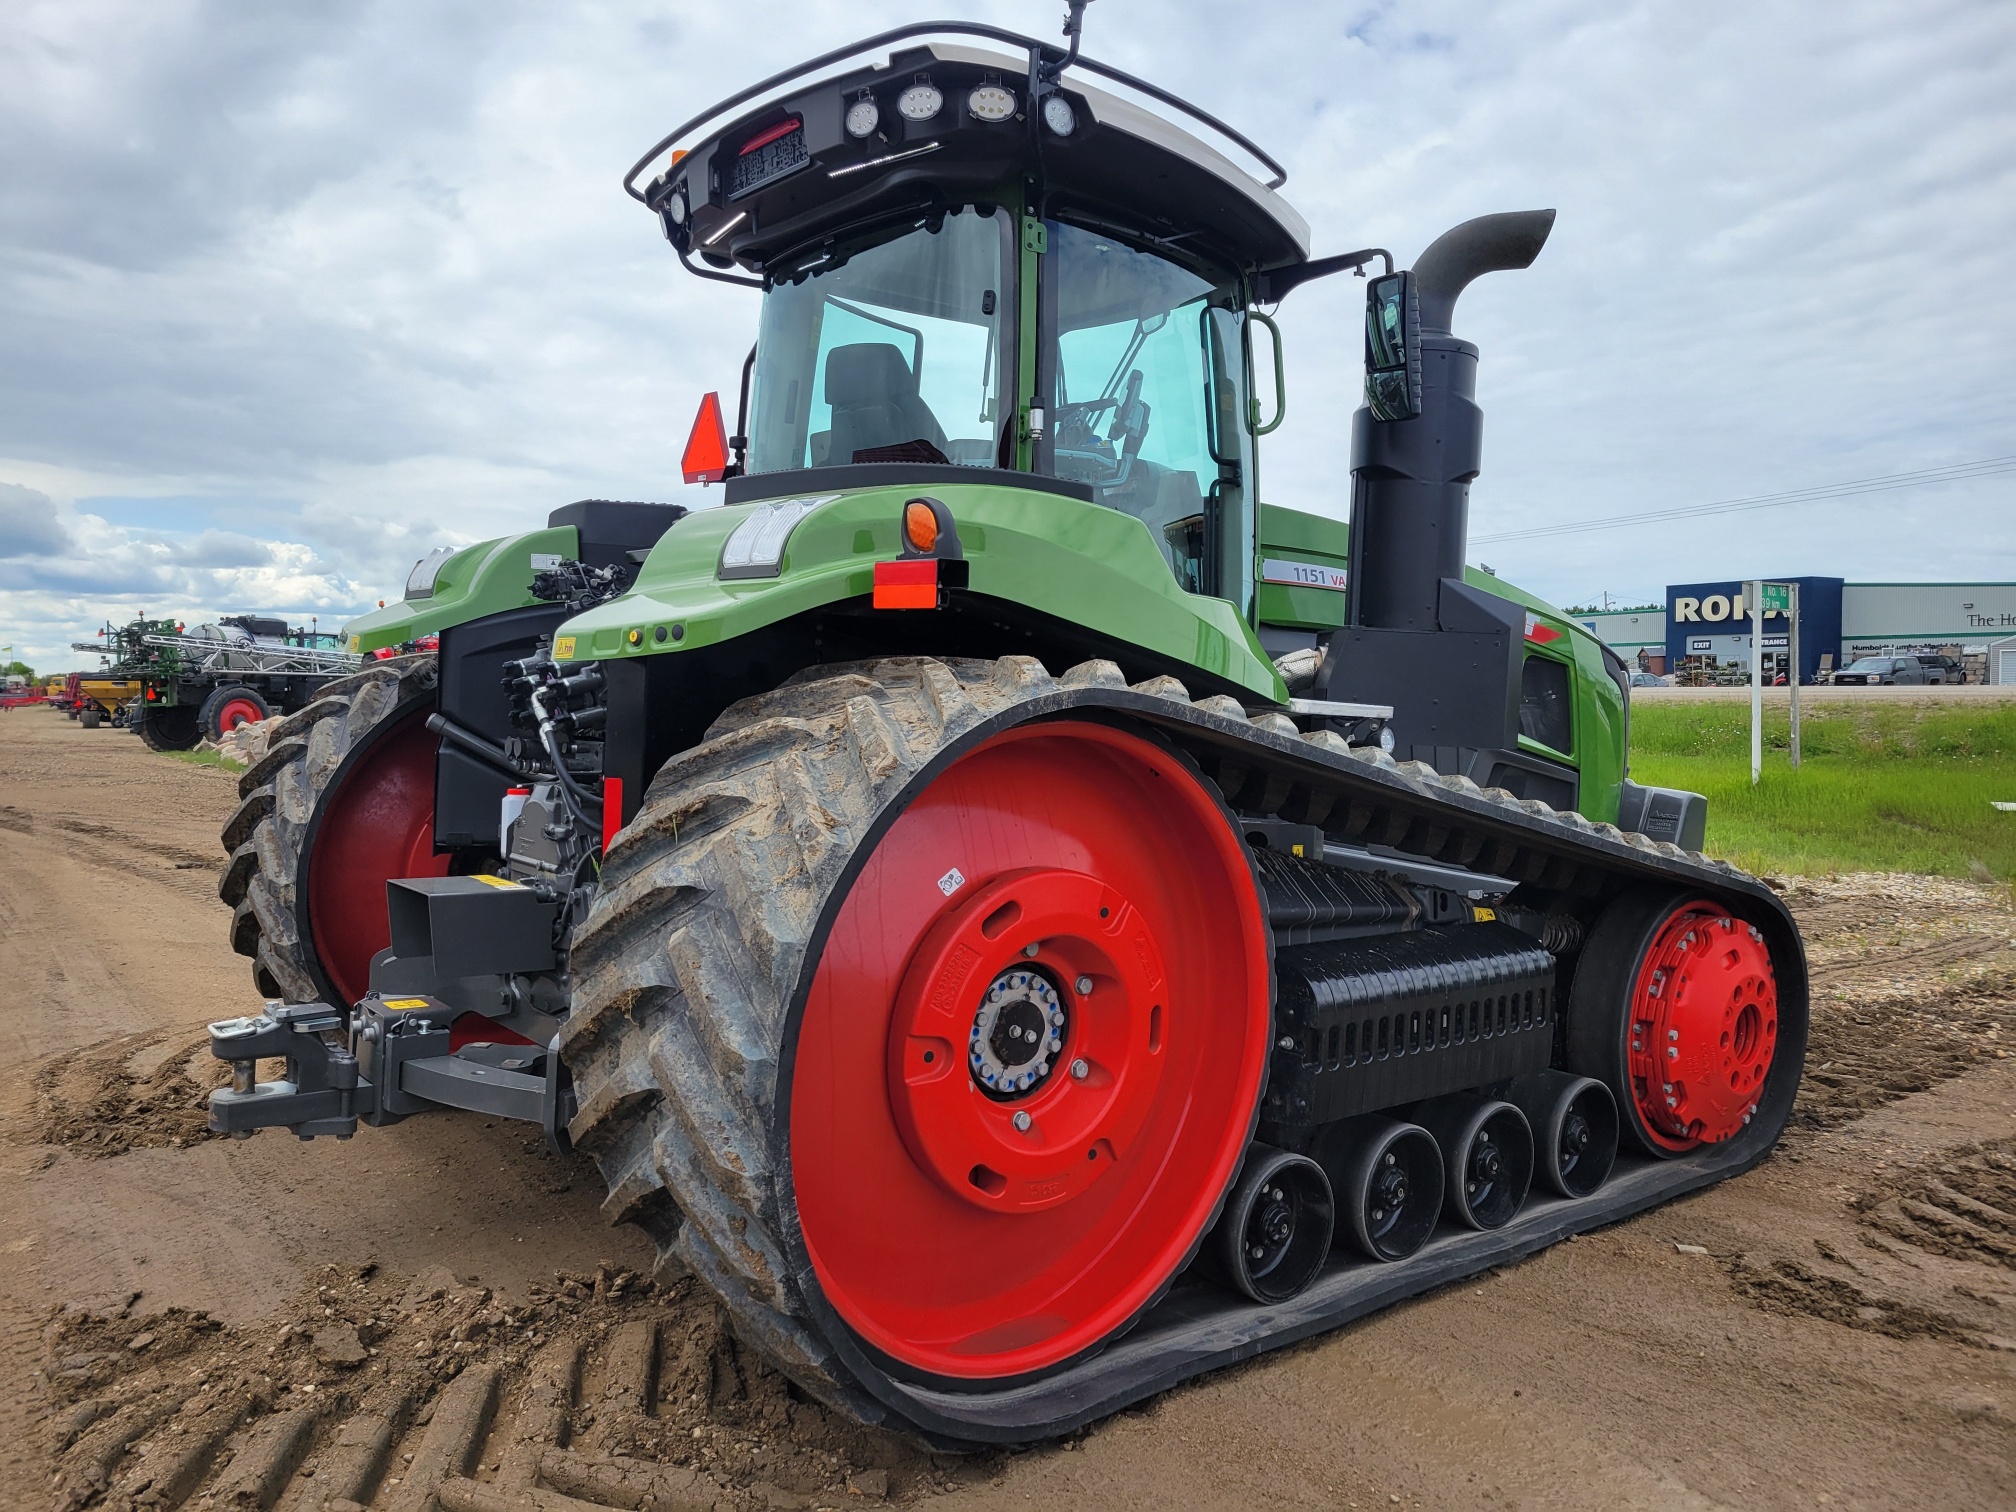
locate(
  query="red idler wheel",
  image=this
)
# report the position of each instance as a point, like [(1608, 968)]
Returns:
[(377, 825), (239, 711), (1000, 1158), (1703, 1027)]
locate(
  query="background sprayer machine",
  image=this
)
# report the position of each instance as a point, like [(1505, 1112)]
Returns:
[(1022, 920)]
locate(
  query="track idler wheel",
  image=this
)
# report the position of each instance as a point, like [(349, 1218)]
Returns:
[(1574, 1123), (1274, 1234), (1675, 1009), (1387, 1180), (1487, 1157)]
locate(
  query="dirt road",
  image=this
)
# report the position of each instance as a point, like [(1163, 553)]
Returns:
[(425, 1315)]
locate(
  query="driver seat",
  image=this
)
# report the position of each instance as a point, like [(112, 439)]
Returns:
[(875, 404)]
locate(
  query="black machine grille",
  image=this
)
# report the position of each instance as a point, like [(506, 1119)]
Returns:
[(1366, 1024)]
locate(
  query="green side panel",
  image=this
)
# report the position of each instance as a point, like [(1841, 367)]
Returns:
[(1078, 562), (479, 580), (1291, 538), (1599, 719)]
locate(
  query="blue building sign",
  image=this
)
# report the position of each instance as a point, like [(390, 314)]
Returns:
[(1711, 619)]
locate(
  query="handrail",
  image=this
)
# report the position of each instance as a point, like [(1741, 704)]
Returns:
[(951, 28)]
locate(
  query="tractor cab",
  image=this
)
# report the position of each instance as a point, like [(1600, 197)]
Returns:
[(972, 268)]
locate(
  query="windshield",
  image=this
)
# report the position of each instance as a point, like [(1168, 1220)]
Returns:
[(1147, 402), (1872, 664), (894, 355)]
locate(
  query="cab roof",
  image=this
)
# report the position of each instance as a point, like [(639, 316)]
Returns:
[(769, 189)]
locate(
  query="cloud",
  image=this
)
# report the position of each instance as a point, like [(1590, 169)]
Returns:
[(28, 524), (339, 283)]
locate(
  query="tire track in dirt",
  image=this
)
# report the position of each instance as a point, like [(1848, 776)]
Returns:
[(604, 1390)]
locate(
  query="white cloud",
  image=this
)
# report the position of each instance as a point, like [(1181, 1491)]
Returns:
[(361, 276)]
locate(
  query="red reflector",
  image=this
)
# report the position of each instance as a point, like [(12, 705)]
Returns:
[(706, 458), (907, 585), (1540, 634), (765, 138), (612, 810)]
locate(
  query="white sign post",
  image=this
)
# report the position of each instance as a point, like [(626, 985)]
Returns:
[(1792, 670), (1754, 593), (1778, 598)]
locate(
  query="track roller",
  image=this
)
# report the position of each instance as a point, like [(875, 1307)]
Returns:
[(1274, 1233), (1487, 1156), (1574, 1123), (1387, 1179)]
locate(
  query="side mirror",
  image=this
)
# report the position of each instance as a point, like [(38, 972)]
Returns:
[(1392, 348)]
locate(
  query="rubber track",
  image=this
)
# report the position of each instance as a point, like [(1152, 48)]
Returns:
[(689, 968), (279, 796)]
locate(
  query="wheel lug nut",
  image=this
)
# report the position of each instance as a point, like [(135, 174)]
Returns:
[(1084, 986), (1080, 1069), (1030, 949), (1022, 1122)]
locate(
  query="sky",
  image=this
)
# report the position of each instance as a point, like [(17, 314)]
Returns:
[(292, 293)]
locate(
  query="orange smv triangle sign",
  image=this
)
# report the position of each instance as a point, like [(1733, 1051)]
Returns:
[(706, 458)]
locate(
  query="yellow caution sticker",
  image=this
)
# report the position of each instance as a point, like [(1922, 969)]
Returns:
[(1483, 915), (356, 644), (405, 1003), (563, 648), (494, 881)]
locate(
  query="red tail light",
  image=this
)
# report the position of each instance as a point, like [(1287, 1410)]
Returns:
[(706, 458)]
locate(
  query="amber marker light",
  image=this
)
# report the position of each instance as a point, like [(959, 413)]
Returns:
[(920, 525)]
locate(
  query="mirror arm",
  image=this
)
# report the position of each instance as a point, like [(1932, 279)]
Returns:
[(1274, 286), (739, 442)]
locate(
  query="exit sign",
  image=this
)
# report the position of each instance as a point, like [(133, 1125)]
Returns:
[(1774, 598)]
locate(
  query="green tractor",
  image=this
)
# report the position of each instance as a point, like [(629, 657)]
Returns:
[(1021, 919)]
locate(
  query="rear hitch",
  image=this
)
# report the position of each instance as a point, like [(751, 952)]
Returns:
[(319, 1091), (382, 1062)]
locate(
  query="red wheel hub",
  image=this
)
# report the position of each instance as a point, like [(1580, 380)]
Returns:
[(238, 711), (1043, 993), (1000, 1157), (377, 825), (1704, 1026)]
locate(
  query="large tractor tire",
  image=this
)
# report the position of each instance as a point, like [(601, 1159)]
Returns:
[(231, 705), (174, 728), (90, 719), (929, 1032), (342, 801)]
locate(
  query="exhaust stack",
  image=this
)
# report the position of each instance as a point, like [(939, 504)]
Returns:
[(1410, 493)]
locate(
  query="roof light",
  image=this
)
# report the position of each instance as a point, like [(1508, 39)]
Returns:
[(921, 101), (675, 205), (756, 546), (991, 102), (706, 456), (1059, 116), (920, 525), (863, 116)]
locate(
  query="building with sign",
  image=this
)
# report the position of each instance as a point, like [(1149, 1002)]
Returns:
[(1707, 626)]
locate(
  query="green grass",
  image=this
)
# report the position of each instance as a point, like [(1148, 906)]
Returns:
[(206, 758), (1882, 787)]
